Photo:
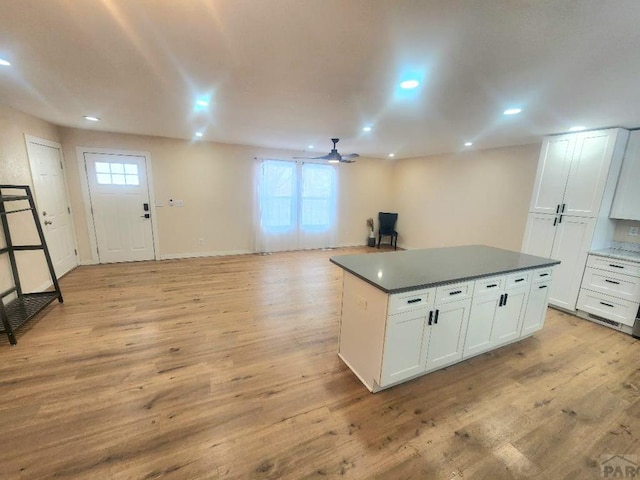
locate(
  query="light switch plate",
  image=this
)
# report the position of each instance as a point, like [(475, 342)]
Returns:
[(159, 203), (179, 203)]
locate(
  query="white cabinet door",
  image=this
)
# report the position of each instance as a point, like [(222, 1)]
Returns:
[(449, 326), (405, 346), (483, 311), (626, 202), (509, 317), (571, 247), (539, 234), (588, 173), (553, 170), (536, 310)]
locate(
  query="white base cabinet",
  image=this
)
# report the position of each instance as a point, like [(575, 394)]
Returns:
[(387, 339)]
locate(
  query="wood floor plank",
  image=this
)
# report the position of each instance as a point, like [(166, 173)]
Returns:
[(226, 368)]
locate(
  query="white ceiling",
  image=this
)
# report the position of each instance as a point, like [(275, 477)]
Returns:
[(289, 73)]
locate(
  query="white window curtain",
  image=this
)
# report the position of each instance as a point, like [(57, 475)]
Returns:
[(296, 205)]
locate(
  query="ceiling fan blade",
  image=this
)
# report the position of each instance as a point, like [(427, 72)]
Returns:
[(325, 157), (347, 160), (350, 156)]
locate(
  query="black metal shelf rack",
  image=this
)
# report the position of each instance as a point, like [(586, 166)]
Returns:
[(24, 306)]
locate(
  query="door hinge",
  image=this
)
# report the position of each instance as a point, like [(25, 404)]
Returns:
[(61, 167), (69, 209), (97, 250), (75, 251), (91, 210)]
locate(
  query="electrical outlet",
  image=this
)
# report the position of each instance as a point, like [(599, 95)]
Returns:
[(362, 303), (179, 203), (633, 231)]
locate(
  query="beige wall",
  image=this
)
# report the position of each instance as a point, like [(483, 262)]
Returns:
[(216, 183), (15, 170), (621, 233), (474, 197)]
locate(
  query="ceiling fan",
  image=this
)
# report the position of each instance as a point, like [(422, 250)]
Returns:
[(334, 156)]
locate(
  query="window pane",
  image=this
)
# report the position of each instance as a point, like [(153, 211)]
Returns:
[(102, 167), (103, 178), (317, 180), (278, 187), (117, 168), (315, 212), (117, 179), (131, 169), (132, 179), (317, 195)]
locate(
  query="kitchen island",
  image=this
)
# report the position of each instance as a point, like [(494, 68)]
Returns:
[(408, 313)]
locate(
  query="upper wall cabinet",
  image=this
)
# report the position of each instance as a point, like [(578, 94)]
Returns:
[(572, 172), (626, 202)]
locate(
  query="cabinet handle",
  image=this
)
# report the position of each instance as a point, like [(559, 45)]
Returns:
[(563, 205), (456, 292), (493, 285), (560, 221), (506, 295), (558, 208), (611, 281), (543, 275), (542, 286), (555, 221), (501, 300), (519, 280), (430, 316), (606, 304), (616, 266), (435, 318), (414, 300)]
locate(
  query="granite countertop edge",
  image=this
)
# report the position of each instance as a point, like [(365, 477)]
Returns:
[(617, 254)]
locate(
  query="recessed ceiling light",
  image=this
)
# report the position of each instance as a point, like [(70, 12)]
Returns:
[(512, 111), (391, 155), (199, 134), (577, 128), (91, 118), (310, 147), (409, 84), (468, 144), (202, 103), (4, 63), (366, 129)]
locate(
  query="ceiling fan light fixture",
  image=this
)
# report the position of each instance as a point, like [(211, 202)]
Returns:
[(333, 161)]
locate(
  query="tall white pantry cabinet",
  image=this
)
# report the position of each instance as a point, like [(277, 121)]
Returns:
[(572, 197)]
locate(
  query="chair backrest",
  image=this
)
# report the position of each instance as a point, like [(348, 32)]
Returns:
[(387, 222)]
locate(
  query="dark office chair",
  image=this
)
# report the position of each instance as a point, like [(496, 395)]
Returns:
[(387, 227)]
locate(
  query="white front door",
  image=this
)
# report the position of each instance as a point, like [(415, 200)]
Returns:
[(50, 191), (119, 196)]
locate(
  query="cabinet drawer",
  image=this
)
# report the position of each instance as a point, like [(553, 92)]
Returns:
[(409, 301), (614, 265), (454, 292), (615, 309), (519, 279), (541, 274), (488, 285), (612, 283)]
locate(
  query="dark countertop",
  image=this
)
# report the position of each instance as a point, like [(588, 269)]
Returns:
[(394, 272)]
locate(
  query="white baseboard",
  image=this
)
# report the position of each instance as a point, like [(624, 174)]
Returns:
[(174, 256)]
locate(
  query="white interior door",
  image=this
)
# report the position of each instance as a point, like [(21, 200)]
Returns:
[(52, 201), (119, 196)]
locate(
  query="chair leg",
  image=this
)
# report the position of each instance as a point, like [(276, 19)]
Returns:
[(379, 239)]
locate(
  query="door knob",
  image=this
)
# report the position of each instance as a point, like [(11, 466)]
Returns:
[(47, 222), (44, 213)]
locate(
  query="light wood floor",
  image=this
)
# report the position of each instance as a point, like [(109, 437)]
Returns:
[(226, 368)]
